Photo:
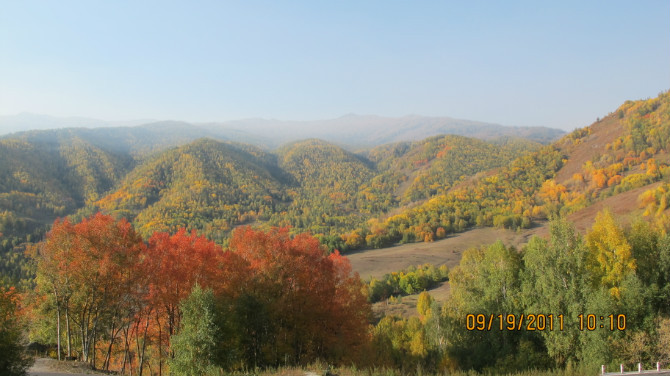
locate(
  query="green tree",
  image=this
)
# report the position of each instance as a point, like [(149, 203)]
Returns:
[(487, 279), (644, 241), (596, 346), (485, 282), (194, 345), (556, 281)]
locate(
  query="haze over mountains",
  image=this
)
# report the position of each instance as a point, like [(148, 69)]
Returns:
[(369, 130), (354, 131), (27, 121)]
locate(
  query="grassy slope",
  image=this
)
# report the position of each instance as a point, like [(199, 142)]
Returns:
[(625, 206)]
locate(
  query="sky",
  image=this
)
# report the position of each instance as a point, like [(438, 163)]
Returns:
[(559, 64)]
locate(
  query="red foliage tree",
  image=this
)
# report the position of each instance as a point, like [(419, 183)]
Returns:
[(91, 269), (174, 263), (279, 298), (316, 306)]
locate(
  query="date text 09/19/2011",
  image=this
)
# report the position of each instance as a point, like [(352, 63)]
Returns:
[(542, 322)]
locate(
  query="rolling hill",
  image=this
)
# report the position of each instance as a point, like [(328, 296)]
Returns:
[(309, 185), (137, 141), (43, 180), (626, 150), (162, 177), (209, 185), (205, 185), (425, 168)]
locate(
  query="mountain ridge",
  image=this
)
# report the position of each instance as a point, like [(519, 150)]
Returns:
[(349, 131)]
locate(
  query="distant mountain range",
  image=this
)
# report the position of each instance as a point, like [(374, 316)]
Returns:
[(354, 131), (27, 121)]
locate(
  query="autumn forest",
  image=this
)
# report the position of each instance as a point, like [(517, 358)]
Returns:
[(158, 254)]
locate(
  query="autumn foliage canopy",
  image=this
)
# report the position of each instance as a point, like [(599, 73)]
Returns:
[(114, 300)]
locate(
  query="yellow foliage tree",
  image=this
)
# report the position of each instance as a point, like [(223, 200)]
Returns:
[(423, 305), (610, 256), (655, 201)]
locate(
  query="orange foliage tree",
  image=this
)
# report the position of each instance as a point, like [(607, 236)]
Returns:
[(279, 299), (308, 304), (174, 264), (90, 269)]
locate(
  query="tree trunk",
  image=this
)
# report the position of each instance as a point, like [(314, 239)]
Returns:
[(95, 337), (93, 340), (108, 356), (84, 356), (58, 326), (160, 346), (67, 329), (141, 350), (130, 360), (126, 352)]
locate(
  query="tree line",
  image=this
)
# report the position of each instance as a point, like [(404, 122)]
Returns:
[(607, 295), (106, 297)]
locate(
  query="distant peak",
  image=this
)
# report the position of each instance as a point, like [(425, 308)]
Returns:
[(349, 115)]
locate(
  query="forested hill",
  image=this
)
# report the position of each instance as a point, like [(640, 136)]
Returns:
[(327, 184), (432, 166), (309, 185), (400, 192), (42, 180), (137, 141), (626, 150), (205, 185), (212, 186)]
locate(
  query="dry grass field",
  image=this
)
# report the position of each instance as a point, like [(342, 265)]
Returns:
[(377, 262)]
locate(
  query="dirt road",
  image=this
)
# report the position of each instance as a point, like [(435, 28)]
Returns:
[(50, 367)]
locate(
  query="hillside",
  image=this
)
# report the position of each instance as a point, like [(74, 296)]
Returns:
[(626, 150), (327, 181), (422, 169), (206, 185), (46, 179), (137, 141), (30, 121), (309, 185)]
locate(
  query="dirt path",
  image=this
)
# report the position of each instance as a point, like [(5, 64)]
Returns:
[(51, 367)]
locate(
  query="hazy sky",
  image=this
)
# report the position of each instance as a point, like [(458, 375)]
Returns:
[(559, 64)]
